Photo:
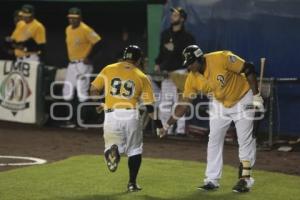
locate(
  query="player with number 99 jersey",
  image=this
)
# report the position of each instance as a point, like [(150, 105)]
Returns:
[(124, 85)]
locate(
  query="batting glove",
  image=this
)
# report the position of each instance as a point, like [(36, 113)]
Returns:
[(258, 101), (161, 132)]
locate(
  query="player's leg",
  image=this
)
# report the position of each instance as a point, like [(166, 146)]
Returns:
[(114, 140), (134, 149), (69, 83), (247, 146), (180, 129), (68, 91), (219, 125), (82, 87), (247, 152)]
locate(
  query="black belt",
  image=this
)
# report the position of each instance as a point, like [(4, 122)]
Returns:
[(23, 57), (111, 110), (76, 61)]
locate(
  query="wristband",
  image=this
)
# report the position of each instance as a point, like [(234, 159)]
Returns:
[(158, 123)]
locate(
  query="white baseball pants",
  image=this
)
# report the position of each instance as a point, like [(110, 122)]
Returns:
[(220, 120), (77, 77), (122, 127)]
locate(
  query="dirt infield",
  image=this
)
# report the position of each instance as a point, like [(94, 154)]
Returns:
[(55, 144)]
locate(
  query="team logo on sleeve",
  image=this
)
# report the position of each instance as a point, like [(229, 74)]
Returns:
[(221, 80), (232, 59)]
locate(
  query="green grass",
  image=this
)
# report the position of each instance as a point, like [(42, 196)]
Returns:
[(87, 178)]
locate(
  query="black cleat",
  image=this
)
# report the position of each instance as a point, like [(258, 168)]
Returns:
[(112, 157), (133, 187), (208, 187), (241, 187)]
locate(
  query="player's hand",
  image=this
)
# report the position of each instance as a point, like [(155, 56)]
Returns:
[(157, 68), (87, 61), (100, 108), (160, 132), (258, 101)]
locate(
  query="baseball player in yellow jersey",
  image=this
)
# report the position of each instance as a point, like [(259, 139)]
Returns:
[(9, 43), (29, 36), (82, 43), (232, 82), (125, 85)]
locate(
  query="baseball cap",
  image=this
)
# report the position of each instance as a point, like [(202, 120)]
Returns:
[(179, 10), (74, 12), (27, 10)]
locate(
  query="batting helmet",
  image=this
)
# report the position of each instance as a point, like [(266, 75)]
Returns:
[(132, 52), (190, 54)]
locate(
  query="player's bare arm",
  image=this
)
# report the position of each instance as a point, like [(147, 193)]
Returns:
[(95, 48), (180, 110), (249, 71), (93, 93)]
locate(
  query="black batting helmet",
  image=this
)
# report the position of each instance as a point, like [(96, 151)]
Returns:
[(132, 52), (190, 54)]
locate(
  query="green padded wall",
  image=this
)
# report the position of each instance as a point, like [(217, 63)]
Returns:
[(154, 20)]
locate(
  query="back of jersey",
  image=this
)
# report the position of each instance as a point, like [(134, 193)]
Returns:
[(124, 86)]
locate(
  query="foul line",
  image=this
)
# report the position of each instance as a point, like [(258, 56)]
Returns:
[(36, 161)]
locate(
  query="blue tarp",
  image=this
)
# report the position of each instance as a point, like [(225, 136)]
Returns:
[(252, 29)]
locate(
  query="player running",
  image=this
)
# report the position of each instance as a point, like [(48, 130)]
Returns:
[(125, 85)]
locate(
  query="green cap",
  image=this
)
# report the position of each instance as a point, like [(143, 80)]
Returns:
[(27, 10), (74, 12)]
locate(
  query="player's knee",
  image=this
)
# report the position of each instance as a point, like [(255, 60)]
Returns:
[(133, 152)]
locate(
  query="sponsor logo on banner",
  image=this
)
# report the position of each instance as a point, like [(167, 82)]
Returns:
[(14, 89)]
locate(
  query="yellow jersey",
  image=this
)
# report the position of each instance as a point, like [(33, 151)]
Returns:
[(124, 86), (80, 41), (24, 31), (222, 77)]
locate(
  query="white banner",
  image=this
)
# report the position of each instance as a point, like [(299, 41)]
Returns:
[(18, 82)]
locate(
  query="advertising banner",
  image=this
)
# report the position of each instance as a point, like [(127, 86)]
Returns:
[(18, 85)]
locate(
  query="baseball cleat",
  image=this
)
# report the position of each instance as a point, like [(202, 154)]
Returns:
[(208, 187), (112, 157), (133, 187), (241, 186)]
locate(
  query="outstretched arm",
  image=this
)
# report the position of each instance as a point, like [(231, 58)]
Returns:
[(180, 110)]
